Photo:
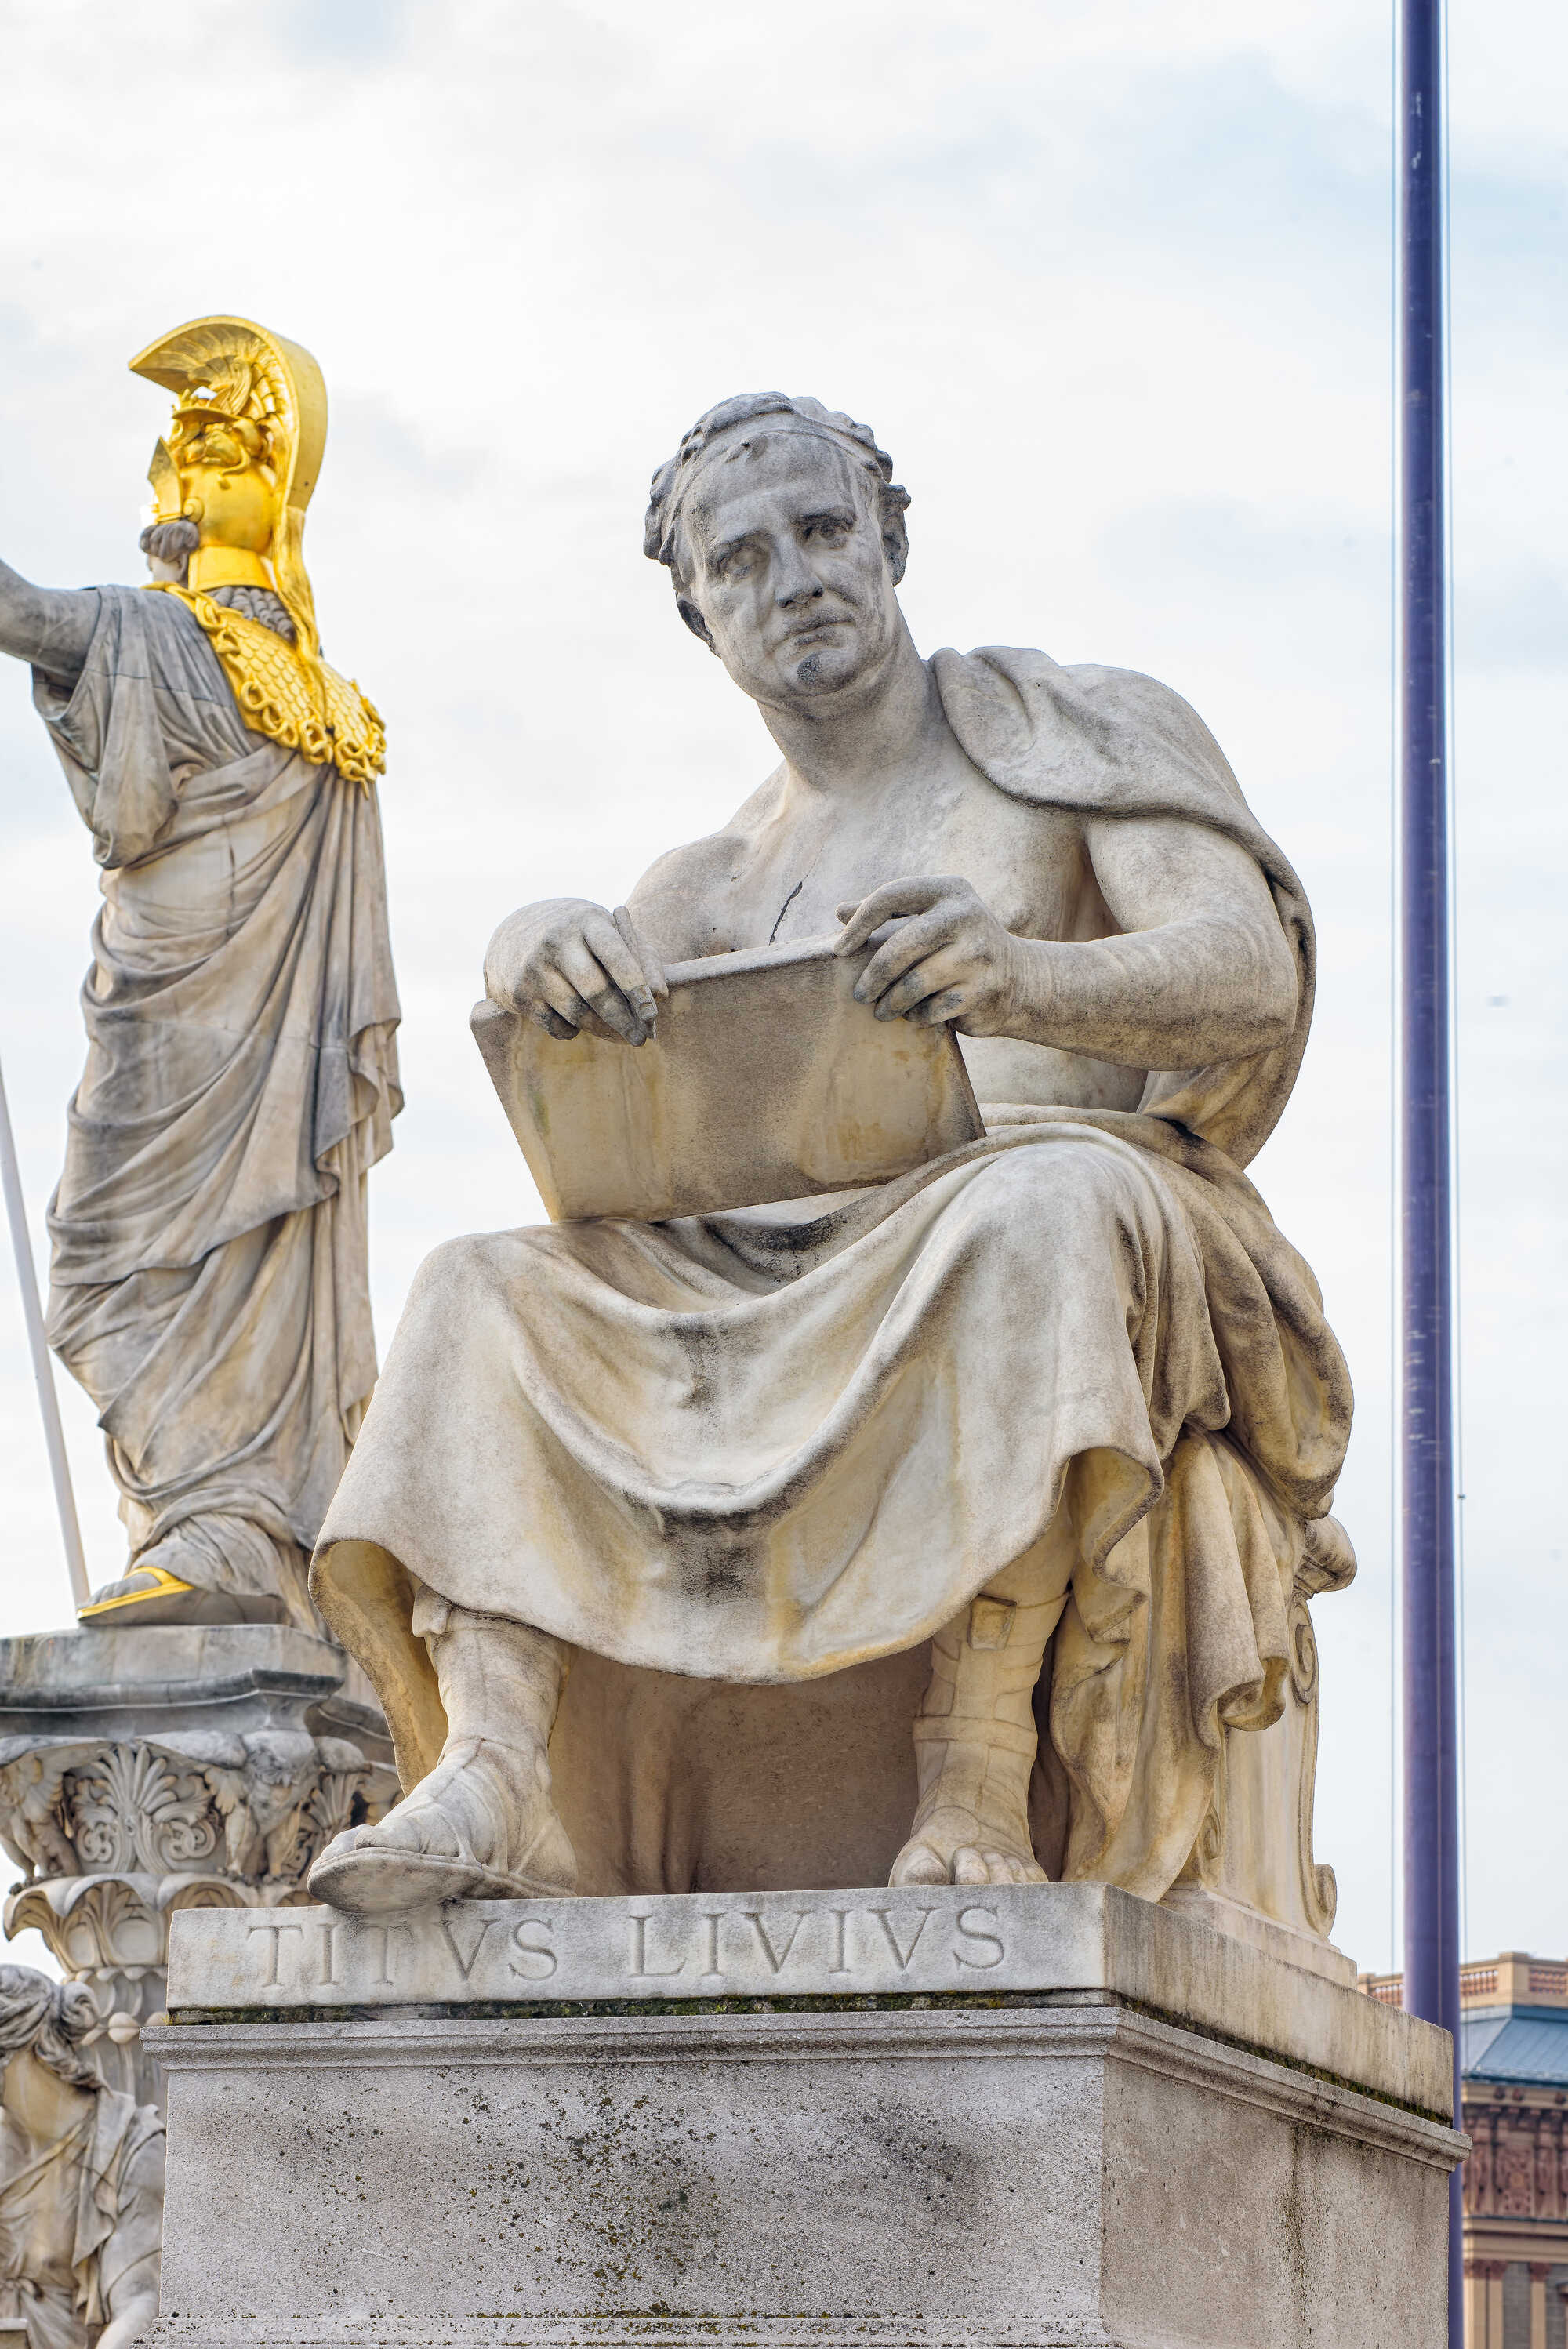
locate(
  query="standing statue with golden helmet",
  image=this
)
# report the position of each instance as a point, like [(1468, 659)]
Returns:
[(209, 1276)]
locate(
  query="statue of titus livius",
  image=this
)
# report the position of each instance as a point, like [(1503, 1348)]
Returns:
[(209, 1283), (1051, 1424)]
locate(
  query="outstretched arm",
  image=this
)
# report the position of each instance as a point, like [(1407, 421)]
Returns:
[(50, 627), (1203, 970)]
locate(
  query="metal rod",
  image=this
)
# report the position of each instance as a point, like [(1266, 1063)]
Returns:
[(43, 1369), (1427, 1428)]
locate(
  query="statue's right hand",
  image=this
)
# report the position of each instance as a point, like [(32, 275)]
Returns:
[(576, 969)]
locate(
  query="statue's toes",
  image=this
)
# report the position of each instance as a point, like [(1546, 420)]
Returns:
[(974, 1865), (917, 1863), (1008, 1868), (971, 1863)]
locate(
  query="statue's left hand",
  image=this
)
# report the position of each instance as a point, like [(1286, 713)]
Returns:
[(949, 960)]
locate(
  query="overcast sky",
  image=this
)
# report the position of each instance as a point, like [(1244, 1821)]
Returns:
[(1111, 282)]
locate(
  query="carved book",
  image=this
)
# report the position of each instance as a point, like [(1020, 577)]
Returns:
[(767, 1080)]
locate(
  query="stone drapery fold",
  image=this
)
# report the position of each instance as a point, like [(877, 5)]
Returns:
[(769, 1446), (81, 2225), (209, 1279)]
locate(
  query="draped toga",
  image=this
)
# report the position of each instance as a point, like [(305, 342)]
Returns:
[(770, 1446), (81, 2224), (209, 1278)]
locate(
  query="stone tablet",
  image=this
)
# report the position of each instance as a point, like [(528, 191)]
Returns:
[(766, 1081)]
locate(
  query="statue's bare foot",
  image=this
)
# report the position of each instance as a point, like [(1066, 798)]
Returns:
[(953, 1847), (481, 1827), (972, 1825), (974, 1737)]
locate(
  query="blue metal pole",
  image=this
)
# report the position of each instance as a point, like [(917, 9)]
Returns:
[(1430, 1680)]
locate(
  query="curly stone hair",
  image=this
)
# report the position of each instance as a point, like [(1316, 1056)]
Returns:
[(661, 528), (176, 542), (170, 541), (49, 2019)]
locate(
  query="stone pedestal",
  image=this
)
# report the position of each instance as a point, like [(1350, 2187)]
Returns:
[(1021, 2115), (149, 1771)]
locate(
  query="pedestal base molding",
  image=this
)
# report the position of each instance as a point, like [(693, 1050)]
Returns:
[(1073, 2174)]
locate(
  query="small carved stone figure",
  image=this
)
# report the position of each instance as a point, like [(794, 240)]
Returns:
[(1030, 1444), (81, 2178), (1515, 2172), (209, 1281)]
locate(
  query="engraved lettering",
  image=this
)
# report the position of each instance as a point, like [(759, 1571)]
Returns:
[(382, 1980), (465, 1966), (538, 1958), (978, 1933), (776, 1959), (277, 1929), (904, 1956), (640, 1970), (712, 1970), (840, 1918)]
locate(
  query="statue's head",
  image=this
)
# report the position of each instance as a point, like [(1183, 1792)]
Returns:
[(783, 531), (50, 2021), (233, 476)]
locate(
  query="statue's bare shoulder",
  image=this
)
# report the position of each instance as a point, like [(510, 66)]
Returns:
[(686, 901)]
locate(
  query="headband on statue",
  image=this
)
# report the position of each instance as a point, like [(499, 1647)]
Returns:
[(732, 423)]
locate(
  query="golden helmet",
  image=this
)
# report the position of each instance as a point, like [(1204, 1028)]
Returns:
[(241, 455)]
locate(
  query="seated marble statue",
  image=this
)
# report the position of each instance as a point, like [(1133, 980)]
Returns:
[(1023, 1449), (81, 2178)]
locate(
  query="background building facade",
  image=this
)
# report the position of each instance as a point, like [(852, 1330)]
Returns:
[(1515, 2068)]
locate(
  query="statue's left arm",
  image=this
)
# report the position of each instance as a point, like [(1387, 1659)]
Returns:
[(1201, 971), (49, 627)]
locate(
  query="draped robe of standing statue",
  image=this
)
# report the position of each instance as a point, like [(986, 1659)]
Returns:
[(780, 1444), (209, 1282), (81, 2224)]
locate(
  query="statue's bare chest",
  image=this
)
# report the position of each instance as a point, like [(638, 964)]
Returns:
[(792, 873)]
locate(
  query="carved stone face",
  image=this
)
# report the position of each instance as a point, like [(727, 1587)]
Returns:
[(788, 571)]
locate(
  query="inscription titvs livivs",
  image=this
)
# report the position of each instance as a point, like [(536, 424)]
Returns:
[(678, 1947)]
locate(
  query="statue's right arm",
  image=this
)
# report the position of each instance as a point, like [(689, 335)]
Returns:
[(49, 627)]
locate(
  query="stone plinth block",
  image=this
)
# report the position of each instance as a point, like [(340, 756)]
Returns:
[(1029, 2114)]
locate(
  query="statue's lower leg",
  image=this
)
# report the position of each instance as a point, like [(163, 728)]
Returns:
[(974, 1736), (483, 1825)]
